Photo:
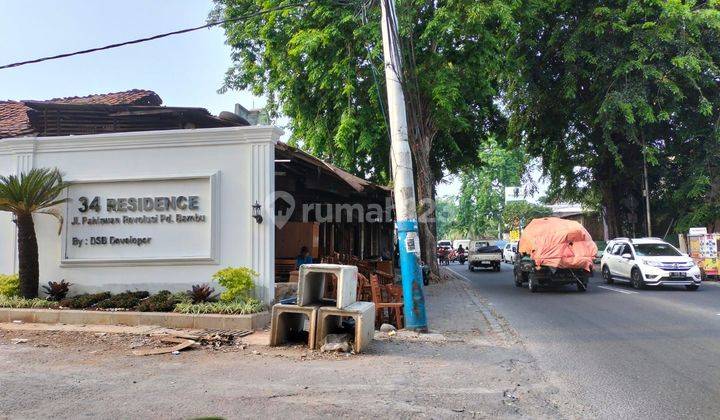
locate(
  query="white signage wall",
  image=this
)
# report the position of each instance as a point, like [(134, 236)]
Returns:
[(140, 220), (151, 210)]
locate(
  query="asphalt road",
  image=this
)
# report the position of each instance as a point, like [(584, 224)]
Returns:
[(627, 353)]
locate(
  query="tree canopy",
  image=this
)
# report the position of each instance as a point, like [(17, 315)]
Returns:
[(596, 86), (482, 190), (523, 212), (321, 65)]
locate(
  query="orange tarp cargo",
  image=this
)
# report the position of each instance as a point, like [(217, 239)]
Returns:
[(559, 243)]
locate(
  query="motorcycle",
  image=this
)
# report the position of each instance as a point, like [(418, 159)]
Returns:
[(443, 256), (461, 257)]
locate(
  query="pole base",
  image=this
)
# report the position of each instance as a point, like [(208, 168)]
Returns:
[(421, 330)]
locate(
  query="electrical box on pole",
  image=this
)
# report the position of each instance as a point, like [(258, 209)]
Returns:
[(404, 187)]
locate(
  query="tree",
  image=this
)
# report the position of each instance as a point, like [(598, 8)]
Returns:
[(36, 191), (482, 188), (320, 64), (597, 86), (446, 211), (523, 211)]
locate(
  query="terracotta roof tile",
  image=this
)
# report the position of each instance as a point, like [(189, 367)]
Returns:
[(14, 120), (128, 97)]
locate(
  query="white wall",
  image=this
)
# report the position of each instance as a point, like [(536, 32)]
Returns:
[(240, 162)]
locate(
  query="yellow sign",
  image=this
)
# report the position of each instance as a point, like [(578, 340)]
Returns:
[(514, 235)]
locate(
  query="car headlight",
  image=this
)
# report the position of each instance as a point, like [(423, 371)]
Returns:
[(652, 263)]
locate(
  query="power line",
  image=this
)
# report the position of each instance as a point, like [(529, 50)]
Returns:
[(152, 38)]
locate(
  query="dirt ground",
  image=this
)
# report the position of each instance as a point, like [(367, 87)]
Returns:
[(468, 369)]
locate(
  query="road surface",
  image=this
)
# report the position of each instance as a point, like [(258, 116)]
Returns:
[(628, 353)]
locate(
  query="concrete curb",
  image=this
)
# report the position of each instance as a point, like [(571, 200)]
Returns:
[(256, 321)]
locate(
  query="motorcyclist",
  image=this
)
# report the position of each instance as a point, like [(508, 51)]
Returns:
[(461, 255)]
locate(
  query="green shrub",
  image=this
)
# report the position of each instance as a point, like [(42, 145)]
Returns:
[(163, 301), (9, 285), (85, 300), (238, 282), (238, 307), (125, 300), (18, 302)]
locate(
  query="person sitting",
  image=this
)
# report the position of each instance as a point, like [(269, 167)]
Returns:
[(460, 249), (303, 258)]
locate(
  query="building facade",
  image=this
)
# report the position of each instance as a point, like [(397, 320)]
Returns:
[(151, 210)]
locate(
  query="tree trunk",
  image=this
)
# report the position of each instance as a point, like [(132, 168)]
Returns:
[(610, 212), (424, 185), (29, 270)]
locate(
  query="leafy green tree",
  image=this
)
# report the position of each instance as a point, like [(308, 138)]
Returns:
[(32, 192), (482, 191), (523, 211), (321, 64), (446, 212), (595, 86)]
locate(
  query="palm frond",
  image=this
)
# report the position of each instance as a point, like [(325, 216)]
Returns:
[(34, 191)]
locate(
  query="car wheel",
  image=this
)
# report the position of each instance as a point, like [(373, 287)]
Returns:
[(470, 267), (532, 283), (692, 287), (637, 281), (606, 275)]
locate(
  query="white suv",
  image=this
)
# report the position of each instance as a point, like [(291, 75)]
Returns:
[(648, 262), (509, 252)]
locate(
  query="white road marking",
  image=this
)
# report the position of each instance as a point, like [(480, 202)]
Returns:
[(627, 292)]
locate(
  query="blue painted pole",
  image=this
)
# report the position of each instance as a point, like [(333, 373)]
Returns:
[(402, 169), (413, 296)]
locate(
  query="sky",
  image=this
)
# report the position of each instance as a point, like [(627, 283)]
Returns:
[(185, 70)]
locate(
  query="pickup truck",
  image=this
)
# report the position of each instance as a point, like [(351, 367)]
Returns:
[(484, 255)]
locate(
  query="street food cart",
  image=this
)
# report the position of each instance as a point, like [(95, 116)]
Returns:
[(703, 249)]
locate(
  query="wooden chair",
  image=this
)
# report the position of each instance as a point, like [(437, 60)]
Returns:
[(363, 289), (364, 268), (384, 302), (385, 278)]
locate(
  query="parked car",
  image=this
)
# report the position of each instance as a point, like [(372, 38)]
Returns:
[(484, 255), (648, 262), (509, 252), (554, 252)]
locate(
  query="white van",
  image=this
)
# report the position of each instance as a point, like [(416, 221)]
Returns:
[(464, 242)]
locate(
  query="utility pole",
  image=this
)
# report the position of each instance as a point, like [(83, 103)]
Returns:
[(647, 190), (404, 187)]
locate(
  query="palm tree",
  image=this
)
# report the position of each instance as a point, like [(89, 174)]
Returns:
[(35, 191)]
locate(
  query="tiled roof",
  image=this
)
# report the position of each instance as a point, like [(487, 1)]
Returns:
[(129, 97), (15, 120)]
